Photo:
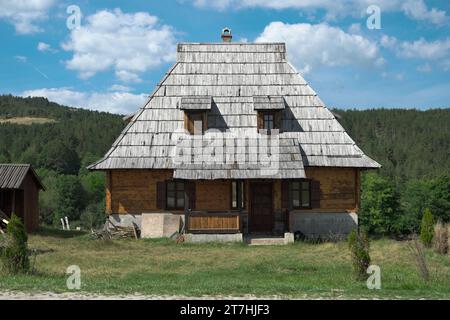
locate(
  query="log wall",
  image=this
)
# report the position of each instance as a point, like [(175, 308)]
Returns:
[(134, 191), (339, 187)]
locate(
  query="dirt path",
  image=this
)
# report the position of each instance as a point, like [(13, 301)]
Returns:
[(16, 295)]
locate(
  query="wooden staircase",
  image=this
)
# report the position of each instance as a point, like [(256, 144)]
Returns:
[(267, 240)]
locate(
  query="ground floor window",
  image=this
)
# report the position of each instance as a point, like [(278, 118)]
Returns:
[(237, 194), (175, 195), (301, 194)]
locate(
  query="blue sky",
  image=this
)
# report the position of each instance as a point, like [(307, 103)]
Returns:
[(121, 49)]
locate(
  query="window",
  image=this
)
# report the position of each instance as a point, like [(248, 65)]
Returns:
[(269, 120), (175, 195), (268, 123), (301, 194), (195, 120), (237, 194)]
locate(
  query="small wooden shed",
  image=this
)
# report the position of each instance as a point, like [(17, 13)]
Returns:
[(19, 193)]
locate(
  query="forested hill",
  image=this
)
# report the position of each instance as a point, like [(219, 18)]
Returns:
[(47, 135), (408, 143), (60, 142)]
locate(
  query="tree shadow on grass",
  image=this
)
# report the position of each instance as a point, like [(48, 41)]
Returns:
[(45, 231)]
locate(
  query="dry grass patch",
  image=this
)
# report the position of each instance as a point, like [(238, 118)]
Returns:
[(27, 120), (164, 267)]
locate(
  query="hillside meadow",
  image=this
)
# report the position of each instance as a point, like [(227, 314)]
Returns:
[(162, 267)]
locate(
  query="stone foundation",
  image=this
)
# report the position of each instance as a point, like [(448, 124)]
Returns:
[(125, 220), (322, 224), (152, 225)]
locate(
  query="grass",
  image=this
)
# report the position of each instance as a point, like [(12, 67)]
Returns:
[(160, 267), (26, 120)]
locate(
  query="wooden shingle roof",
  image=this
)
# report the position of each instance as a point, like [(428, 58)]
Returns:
[(233, 74), (196, 103), (268, 103), (13, 175)]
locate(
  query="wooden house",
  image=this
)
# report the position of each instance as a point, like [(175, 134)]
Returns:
[(19, 193), (239, 92)]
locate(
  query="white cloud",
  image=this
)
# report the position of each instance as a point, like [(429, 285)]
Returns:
[(414, 9), (424, 49), (119, 87), (128, 43), (45, 47), (417, 10), (418, 49), (393, 75), (24, 14), (127, 76), (21, 59), (388, 42), (114, 102), (310, 45), (355, 28)]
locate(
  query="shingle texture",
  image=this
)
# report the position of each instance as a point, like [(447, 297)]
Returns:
[(195, 103), (12, 175), (238, 79), (268, 103)]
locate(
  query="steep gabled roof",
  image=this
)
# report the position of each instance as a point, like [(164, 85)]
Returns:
[(234, 75), (13, 175)]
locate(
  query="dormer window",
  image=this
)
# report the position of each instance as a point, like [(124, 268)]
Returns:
[(269, 110), (195, 122), (268, 121), (196, 113)]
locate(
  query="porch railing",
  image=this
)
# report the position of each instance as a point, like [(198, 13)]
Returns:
[(213, 222)]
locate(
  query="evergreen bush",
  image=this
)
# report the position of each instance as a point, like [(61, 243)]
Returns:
[(359, 245), (14, 251), (427, 228)]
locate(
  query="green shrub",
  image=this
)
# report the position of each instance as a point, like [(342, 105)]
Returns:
[(93, 216), (427, 228), (14, 252), (380, 208), (359, 245)]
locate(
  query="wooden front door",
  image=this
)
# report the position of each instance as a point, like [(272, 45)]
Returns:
[(261, 217)]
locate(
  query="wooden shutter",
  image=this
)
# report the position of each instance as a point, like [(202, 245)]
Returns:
[(277, 120), (260, 120), (161, 195), (285, 194), (190, 189), (205, 121), (315, 194)]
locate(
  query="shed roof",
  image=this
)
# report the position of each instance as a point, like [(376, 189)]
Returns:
[(268, 103), (196, 103), (235, 75), (13, 175)]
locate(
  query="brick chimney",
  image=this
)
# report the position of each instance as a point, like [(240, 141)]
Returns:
[(226, 35)]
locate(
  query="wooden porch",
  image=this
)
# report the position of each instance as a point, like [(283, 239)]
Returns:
[(213, 222), (220, 222)]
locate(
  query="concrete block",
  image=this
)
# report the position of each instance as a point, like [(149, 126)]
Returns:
[(288, 237), (159, 225), (216, 237)]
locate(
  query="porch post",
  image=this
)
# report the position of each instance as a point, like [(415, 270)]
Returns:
[(186, 208), (13, 207)]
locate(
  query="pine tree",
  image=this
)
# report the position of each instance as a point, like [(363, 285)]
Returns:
[(427, 228)]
